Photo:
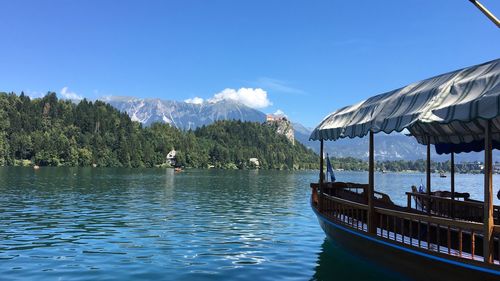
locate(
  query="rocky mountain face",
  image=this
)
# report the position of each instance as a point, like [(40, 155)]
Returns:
[(184, 115), (187, 116), (282, 126)]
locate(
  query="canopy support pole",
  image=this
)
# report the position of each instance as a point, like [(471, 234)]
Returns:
[(321, 173), (428, 174), (452, 178), (371, 182), (321, 176), (486, 12), (488, 201)]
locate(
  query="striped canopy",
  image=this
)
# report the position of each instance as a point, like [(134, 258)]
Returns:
[(450, 108)]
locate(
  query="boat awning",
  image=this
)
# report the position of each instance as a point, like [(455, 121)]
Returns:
[(451, 108)]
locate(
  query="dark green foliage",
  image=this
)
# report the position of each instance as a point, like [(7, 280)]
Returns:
[(354, 164), (235, 142), (52, 132)]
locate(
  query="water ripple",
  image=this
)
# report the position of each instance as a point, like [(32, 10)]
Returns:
[(115, 224)]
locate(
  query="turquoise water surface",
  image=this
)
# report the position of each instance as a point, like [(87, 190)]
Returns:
[(154, 224)]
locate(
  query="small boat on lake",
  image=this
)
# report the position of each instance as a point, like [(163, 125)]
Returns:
[(438, 235), (442, 175)]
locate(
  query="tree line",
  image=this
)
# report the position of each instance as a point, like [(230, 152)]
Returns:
[(54, 132), (354, 164)]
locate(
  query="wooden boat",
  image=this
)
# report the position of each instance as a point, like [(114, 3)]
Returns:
[(440, 235)]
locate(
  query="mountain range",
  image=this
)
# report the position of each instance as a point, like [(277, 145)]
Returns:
[(184, 115), (188, 116)]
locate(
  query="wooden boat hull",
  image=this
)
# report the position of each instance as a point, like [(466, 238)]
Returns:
[(413, 264)]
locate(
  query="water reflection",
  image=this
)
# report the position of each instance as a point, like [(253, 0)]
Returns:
[(169, 179), (75, 223), (84, 223), (335, 263)]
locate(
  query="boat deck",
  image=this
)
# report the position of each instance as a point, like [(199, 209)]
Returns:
[(423, 230), (410, 241)]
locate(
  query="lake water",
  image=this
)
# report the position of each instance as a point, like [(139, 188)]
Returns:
[(152, 224)]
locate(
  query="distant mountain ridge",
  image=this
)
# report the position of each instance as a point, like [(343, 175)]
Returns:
[(188, 116), (388, 147), (184, 115)]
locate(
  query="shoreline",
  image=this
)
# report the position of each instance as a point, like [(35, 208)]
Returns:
[(36, 167)]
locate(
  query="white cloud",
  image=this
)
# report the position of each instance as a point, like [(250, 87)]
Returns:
[(195, 100), (67, 94), (255, 98), (279, 112), (34, 94), (278, 86)]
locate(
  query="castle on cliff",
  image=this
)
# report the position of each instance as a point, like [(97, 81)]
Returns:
[(282, 124)]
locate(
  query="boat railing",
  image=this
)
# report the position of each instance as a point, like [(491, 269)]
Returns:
[(442, 236), (352, 191), (348, 186), (450, 238), (467, 210), (347, 212)]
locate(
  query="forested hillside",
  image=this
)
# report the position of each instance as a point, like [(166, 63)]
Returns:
[(52, 132), (236, 142)]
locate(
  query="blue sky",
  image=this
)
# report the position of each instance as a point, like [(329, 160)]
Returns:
[(307, 57)]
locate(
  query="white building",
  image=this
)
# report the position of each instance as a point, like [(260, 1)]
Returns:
[(171, 157), (254, 161)]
